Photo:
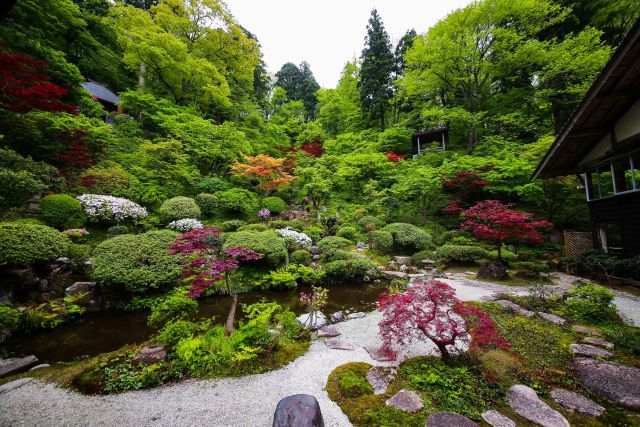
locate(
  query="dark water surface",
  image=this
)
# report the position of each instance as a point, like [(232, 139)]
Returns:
[(105, 331)]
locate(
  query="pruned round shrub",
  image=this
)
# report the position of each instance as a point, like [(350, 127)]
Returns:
[(418, 257), (62, 211), (179, 208), (275, 204), (587, 302), (407, 238), (341, 255), (380, 240), (348, 232), (459, 254), (507, 256), (238, 200), (330, 244), (316, 233), (266, 243), (370, 223), (176, 331), (232, 225), (137, 262), (211, 184), (207, 203), (353, 270), (300, 256), (25, 244), (173, 307)]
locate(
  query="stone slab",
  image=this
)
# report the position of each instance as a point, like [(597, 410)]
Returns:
[(15, 365), (552, 318), (338, 344), (377, 354), (614, 381), (380, 378), (525, 402), (586, 330), (449, 419), (328, 331), (358, 315), (496, 419), (12, 385), (598, 341), (515, 308), (576, 402), (590, 351), (406, 400)]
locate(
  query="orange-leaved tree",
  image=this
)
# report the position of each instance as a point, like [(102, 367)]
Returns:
[(269, 172)]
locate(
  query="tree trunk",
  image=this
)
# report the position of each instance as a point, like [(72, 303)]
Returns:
[(473, 137), (500, 252), (228, 326), (446, 357)]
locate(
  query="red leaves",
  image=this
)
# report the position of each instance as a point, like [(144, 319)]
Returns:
[(270, 172), (197, 241), (77, 155), (483, 330), (313, 147), (395, 158)]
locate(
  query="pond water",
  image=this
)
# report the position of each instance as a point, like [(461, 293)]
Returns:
[(105, 331)]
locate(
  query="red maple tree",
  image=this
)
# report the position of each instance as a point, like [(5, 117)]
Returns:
[(313, 147), (494, 221), (464, 187), (269, 172), (395, 158)]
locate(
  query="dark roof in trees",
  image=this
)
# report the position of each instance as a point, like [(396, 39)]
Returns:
[(613, 92), (101, 92)]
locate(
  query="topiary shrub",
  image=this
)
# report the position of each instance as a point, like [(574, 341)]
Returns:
[(173, 307), (25, 244), (408, 238), (352, 270), (62, 211), (418, 257), (207, 203), (211, 184), (275, 205), (316, 233), (176, 331), (330, 244), (266, 243), (507, 256), (232, 225), (253, 227), (178, 208), (300, 256), (380, 241), (462, 255), (137, 262), (238, 201), (348, 233), (370, 223), (587, 302)]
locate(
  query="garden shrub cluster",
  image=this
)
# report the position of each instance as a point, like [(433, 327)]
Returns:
[(237, 201), (22, 244), (62, 211), (348, 271), (178, 208), (591, 303), (462, 255), (330, 244), (275, 205), (266, 243), (407, 238), (175, 306)]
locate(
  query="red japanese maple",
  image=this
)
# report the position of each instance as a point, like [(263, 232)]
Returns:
[(212, 264), (493, 221), (313, 147), (24, 86), (464, 187), (395, 158)]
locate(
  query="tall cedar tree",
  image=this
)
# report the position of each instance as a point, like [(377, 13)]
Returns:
[(376, 73), (300, 85)]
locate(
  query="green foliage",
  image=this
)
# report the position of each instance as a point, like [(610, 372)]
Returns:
[(232, 225), (21, 177), (354, 384), (353, 270), (125, 376), (117, 230), (138, 263), (175, 331), (53, 313), (370, 223), (178, 208), (238, 201), (300, 256), (174, 307), (418, 257), (459, 254), (316, 233), (254, 227), (381, 241), (348, 232), (207, 203), (9, 318), (275, 204), (328, 245), (282, 279), (589, 302), (62, 211), (212, 184), (266, 243), (408, 238), (25, 244), (507, 255)]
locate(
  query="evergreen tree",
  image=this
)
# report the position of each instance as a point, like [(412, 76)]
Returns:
[(378, 64), (300, 85)]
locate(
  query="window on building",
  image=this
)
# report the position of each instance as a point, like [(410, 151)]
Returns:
[(619, 175), (605, 180), (610, 238), (623, 174)]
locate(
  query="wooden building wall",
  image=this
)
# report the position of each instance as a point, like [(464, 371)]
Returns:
[(623, 209)]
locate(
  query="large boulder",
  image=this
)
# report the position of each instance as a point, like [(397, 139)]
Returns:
[(12, 385), (299, 410), (576, 402), (449, 419), (616, 382), (493, 270), (406, 400), (150, 354), (515, 308), (403, 260), (525, 402), (15, 365), (316, 322)]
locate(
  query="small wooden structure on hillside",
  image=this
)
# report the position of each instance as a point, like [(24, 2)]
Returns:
[(102, 94), (422, 140)]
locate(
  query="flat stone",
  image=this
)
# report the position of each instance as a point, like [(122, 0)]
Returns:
[(449, 419), (586, 330), (150, 354), (338, 344), (338, 317), (406, 400), (12, 385), (395, 274), (496, 419), (380, 378), (525, 402), (41, 366), (318, 322), (328, 331), (515, 308), (597, 341), (403, 260), (15, 365), (552, 318), (576, 402), (358, 315), (614, 381), (298, 410), (590, 351), (377, 354)]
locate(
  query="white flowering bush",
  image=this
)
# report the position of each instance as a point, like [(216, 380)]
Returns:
[(294, 239), (99, 207), (185, 224)]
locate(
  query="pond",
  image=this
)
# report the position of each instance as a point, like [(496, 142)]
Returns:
[(106, 331)]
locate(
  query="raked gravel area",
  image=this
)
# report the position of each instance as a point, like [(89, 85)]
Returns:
[(245, 401)]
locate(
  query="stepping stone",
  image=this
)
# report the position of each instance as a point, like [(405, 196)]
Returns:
[(396, 274), (576, 402), (328, 331), (358, 315), (552, 318), (587, 330), (598, 341), (525, 402), (338, 317), (317, 323), (14, 365), (150, 354), (406, 400), (380, 378), (515, 308), (496, 419), (449, 419), (338, 345), (377, 354), (590, 351), (614, 381), (41, 366), (12, 385)]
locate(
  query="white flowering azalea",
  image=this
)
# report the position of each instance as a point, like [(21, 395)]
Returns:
[(109, 208), (294, 239), (185, 224)]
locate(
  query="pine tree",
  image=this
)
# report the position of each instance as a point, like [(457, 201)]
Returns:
[(378, 64)]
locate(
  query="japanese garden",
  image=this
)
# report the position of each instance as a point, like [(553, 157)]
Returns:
[(447, 236)]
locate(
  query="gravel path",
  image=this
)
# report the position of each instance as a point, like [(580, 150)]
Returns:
[(245, 401)]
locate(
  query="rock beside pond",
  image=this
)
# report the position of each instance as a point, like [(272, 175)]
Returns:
[(576, 402), (403, 260), (395, 274), (15, 365), (552, 318), (586, 330), (317, 322), (406, 400), (525, 402), (12, 385), (492, 270), (358, 315), (150, 354), (377, 354), (91, 299), (616, 382), (299, 410), (496, 419), (328, 331), (515, 308), (590, 351), (339, 344), (598, 341), (380, 378), (449, 419), (338, 317)]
